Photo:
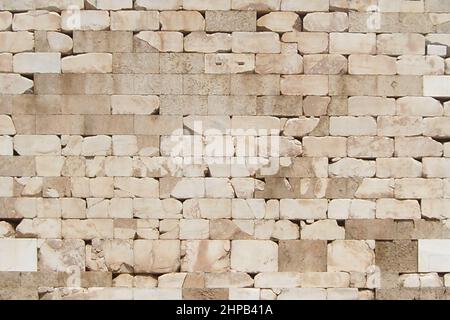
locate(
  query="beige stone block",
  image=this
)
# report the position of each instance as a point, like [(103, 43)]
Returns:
[(397, 209), (203, 5), (16, 41), (103, 41), (39, 228), (110, 4), (325, 64), (303, 209), (59, 255), (373, 106), (207, 208), (134, 104), (349, 255), (258, 5), (230, 21), (37, 63), (352, 126), (401, 6), (156, 208), (353, 43), (436, 127), (208, 43), (229, 63), (419, 106), (325, 146), (278, 280), (349, 167), (254, 256), (159, 4), (5, 20), (366, 64), (163, 41), (279, 64), (96, 146), (418, 188), (37, 145), (50, 41), (325, 280), (400, 126), (400, 44), (308, 42), (375, 188), (420, 65), (435, 208), (87, 229), (251, 42), (304, 85), (93, 20), (323, 230), (417, 147), (18, 255), (6, 62), (351, 209), (48, 166), (304, 5), (136, 187), (280, 22), (436, 167), (436, 86), (398, 168), (87, 63), (6, 146), (436, 6), (300, 127), (205, 256), (167, 251), (182, 21), (194, 229), (326, 22), (7, 189), (36, 20), (134, 20), (7, 125)]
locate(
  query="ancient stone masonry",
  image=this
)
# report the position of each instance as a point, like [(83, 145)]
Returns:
[(224, 149)]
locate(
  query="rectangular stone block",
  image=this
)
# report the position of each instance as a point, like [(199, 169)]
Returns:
[(230, 21), (18, 255), (102, 41), (434, 256)]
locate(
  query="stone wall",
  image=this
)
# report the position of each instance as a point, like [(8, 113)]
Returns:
[(224, 149)]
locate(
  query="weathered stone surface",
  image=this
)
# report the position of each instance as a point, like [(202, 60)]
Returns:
[(205, 256), (349, 255), (18, 255), (87, 63), (302, 256), (254, 256)]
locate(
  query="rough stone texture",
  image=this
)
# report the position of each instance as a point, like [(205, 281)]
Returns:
[(224, 149)]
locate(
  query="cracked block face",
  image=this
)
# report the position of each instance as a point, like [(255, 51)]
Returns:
[(224, 149)]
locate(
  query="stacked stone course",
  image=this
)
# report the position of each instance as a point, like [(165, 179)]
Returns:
[(332, 175)]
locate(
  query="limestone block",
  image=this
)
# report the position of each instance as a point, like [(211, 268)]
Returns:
[(435, 208), (322, 230), (103, 41), (6, 146), (87, 63), (398, 168), (182, 21), (400, 126), (61, 255), (203, 5), (6, 62), (308, 42), (304, 85), (352, 126), (96, 146), (417, 147), (110, 255), (327, 22), (205, 256), (433, 256), (110, 4), (14, 42), (419, 106), (230, 21), (5, 20), (134, 20), (325, 280), (302, 256), (158, 4), (279, 64), (349, 255), (325, 64), (208, 43), (303, 209), (229, 63), (300, 127), (7, 125), (207, 208), (397, 209), (366, 64), (436, 86), (400, 44), (85, 20), (134, 104), (157, 209), (258, 5), (254, 256), (325, 146), (36, 20), (304, 5), (278, 280), (167, 251), (251, 42), (280, 22), (39, 228), (37, 63), (349, 167), (37, 145), (436, 168), (436, 127), (418, 188), (18, 255), (162, 41), (396, 256), (87, 229), (53, 42), (6, 230), (420, 65), (353, 43)]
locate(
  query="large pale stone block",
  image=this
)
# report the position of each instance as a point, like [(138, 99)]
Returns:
[(203, 5), (397, 209), (436, 86), (252, 42), (37, 62), (279, 64), (259, 5), (18, 255), (434, 255), (254, 256), (5, 20), (327, 22), (110, 4), (135, 20), (156, 256), (304, 85), (36, 20), (62, 255), (418, 188), (400, 43), (349, 255), (16, 41), (163, 41), (159, 4), (85, 20), (366, 64), (37, 145), (308, 42), (280, 21), (205, 256), (303, 209), (134, 104), (182, 21), (353, 43), (419, 106), (304, 5), (87, 63), (208, 43)]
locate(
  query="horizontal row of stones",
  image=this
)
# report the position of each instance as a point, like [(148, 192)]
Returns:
[(226, 84), (213, 21), (216, 229), (126, 207), (368, 257), (223, 63), (257, 5), (394, 44)]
